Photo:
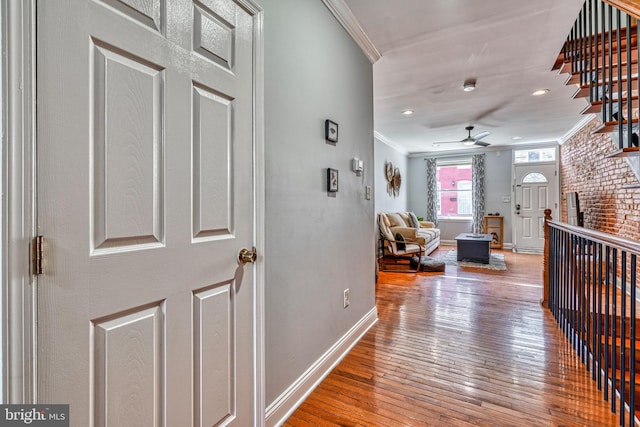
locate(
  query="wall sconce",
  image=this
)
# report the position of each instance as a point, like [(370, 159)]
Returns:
[(357, 165)]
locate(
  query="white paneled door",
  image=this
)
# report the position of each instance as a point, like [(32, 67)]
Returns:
[(145, 131), (535, 191)]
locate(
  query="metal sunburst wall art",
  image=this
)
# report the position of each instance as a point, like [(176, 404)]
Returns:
[(393, 179)]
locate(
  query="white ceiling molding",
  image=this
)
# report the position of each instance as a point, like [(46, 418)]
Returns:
[(582, 123), (343, 14), (458, 153), (384, 140)]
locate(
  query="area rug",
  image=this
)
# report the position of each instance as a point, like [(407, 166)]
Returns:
[(496, 261)]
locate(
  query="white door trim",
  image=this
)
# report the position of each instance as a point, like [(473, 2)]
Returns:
[(18, 214), (259, 186)]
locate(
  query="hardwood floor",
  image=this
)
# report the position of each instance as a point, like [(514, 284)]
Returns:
[(468, 347)]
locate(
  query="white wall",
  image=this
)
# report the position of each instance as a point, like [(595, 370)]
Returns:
[(385, 202), (316, 245), (498, 183)]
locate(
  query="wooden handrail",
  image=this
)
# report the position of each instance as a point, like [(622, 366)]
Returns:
[(622, 243), (599, 237), (545, 262), (593, 285), (630, 7)]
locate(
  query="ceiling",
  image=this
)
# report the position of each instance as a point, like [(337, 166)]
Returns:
[(429, 48)]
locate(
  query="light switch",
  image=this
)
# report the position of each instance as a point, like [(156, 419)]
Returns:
[(367, 192)]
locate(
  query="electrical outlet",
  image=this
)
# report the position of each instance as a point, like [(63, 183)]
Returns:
[(346, 298)]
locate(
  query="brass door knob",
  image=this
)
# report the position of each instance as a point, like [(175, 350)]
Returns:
[(247, 256)]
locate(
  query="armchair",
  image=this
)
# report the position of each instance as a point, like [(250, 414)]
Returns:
[(392, 254)]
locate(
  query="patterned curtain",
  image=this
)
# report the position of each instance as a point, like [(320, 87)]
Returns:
[(432, 191), (477, 192)]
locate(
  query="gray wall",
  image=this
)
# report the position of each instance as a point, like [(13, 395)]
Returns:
[(385, 202), (497, 184), (417, 186), (316, 245)]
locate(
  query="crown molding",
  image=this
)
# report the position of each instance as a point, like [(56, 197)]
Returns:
[(347, 19), (577, 127), (380, 137)]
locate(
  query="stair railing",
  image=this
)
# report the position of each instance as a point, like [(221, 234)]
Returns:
[(590, 277), (590, 287), (601, 54)]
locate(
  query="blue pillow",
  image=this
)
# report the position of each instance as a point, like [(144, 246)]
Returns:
[(414, 220)]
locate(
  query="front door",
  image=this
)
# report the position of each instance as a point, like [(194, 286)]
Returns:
[(145, 197), (535, 191)]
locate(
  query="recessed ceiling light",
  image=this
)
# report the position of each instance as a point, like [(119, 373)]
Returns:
[(515, 138), (469, 85), (540, 92), (435, 144), (407, 112)]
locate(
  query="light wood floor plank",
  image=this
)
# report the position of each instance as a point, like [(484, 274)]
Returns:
[(469, 347)]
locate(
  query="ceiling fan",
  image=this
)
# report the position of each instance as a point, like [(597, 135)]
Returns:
[(469, 140)]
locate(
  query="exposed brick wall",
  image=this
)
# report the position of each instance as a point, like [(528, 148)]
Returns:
[(599, 181)]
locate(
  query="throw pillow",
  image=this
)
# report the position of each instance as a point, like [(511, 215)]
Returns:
[(400, 245), (384, 227), (414, 220), (405, 219), (395, 220)]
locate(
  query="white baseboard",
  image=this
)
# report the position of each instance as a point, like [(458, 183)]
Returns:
[(529, 251), (287, 402)]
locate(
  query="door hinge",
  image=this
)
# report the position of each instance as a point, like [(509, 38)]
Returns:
[(36, 255)]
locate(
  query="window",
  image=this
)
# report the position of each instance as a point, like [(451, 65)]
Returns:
[(535, 155), (454, 190), (534, 177), (464, 198)]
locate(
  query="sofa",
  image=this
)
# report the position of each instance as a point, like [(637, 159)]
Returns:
[(424, 233)]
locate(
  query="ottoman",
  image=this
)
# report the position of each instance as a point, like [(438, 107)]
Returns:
[(428, 264)]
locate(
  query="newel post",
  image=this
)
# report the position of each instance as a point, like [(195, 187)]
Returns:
[(545, 272)]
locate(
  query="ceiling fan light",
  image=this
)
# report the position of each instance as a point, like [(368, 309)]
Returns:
[(469, 142)]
